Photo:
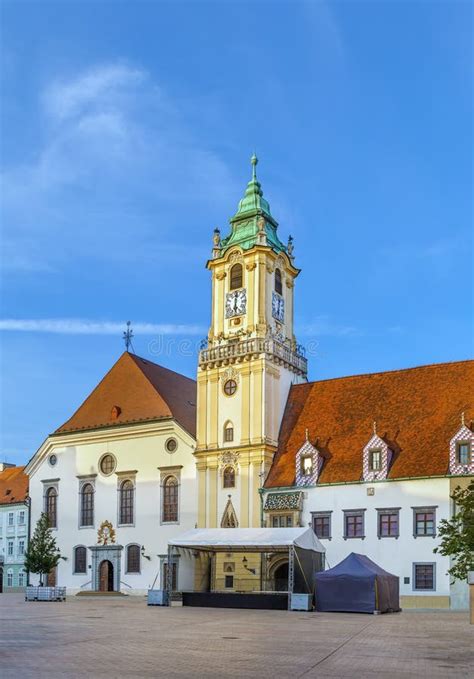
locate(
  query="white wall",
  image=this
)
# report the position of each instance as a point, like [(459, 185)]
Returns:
[(395, 555), (141, 449)]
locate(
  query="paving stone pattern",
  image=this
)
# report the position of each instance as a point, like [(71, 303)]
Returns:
[(124, 637)]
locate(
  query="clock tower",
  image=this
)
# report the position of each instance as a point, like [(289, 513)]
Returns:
[(250, 361)]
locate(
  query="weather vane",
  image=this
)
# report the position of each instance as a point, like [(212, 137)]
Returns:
[(127, 336)]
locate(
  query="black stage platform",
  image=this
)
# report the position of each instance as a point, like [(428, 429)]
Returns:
[(270, 601)]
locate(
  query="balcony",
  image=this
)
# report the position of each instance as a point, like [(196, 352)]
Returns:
[(254, 347)]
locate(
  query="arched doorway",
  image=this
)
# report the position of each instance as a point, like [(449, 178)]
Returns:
[(281, 577), (106, 576)]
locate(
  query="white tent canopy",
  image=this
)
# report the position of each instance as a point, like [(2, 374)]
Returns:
[(247, 539)]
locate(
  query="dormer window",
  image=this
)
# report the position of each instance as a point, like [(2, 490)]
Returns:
[(461, 456), (307, 465), (463, 452), (375, 460)]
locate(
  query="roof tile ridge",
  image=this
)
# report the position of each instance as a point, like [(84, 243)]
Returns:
[(162, 367), (385, 372), (125, 353)]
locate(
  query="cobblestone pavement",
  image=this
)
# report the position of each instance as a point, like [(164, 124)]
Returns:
[(123, 637)]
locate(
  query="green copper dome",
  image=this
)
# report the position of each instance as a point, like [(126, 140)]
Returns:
[(253, 223)]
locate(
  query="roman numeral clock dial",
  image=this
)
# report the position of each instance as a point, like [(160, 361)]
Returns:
[(278, 307), (235, 303)]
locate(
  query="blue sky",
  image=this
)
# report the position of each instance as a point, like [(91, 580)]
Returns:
[(127, 129)]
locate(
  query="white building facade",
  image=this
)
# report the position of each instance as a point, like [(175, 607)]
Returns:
[(116, 493), (386, 496)]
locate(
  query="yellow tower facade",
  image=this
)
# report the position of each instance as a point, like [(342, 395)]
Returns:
[(246, 369)]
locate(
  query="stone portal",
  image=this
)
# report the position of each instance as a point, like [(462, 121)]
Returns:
[(106, 567)]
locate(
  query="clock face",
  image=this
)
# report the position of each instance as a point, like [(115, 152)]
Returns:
[(235, 303), (278, 307)]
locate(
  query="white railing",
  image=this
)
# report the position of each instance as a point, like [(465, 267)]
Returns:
[(254, 346)]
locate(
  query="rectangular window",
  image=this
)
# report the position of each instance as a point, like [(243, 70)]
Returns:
[(388, 523), (282, 521), (21, 579), (10, 518), (229, 581), (375, 460), (354, 524), (21, 547), (21, 518), (307, 465), (322, 524), (10, 579), (10, 548), (228, 434), (464, 453), (424, 576), (424, 521)]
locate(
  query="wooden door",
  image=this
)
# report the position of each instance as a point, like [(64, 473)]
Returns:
[(174, 576), (106, 577)]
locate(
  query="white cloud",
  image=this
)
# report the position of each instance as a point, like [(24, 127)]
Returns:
[(117, 157), (71, 326), (65, 99), (322, 325)]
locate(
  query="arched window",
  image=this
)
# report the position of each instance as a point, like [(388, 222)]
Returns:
[(278, 285), (87, 505), (80, 559), (126, 502), (236, 277), (229, 477), (228, 432), (51, 507), (170, 499), (133, 559)]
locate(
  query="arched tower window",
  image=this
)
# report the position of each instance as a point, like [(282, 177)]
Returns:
[(228, 432), (278, 285), (236, 277), (51, 507), (87, 505), (229, 477), (170, 499), (126, 502)]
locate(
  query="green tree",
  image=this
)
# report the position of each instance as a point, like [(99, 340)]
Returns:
[(42, 554), (457, 534)]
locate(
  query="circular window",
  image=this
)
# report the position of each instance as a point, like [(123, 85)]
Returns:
[(171, 445), (230, 387), (52, 460), (107, 464)]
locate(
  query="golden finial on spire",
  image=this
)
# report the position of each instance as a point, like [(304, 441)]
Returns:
[(374, 426), (462, 418), (307, 434)]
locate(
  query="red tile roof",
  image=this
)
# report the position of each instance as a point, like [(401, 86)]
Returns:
[(417, 411), (13, 485), (142, 391)]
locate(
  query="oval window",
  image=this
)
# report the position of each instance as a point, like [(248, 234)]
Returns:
[(230, 387), (107, 464), (171, 445)]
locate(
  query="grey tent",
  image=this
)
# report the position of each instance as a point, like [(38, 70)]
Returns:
[(357, 585)]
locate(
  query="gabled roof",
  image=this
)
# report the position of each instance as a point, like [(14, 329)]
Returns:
[(13, 485), (141, 391), (417, 411)]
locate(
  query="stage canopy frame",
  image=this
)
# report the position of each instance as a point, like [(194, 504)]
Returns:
[(305, 551)]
